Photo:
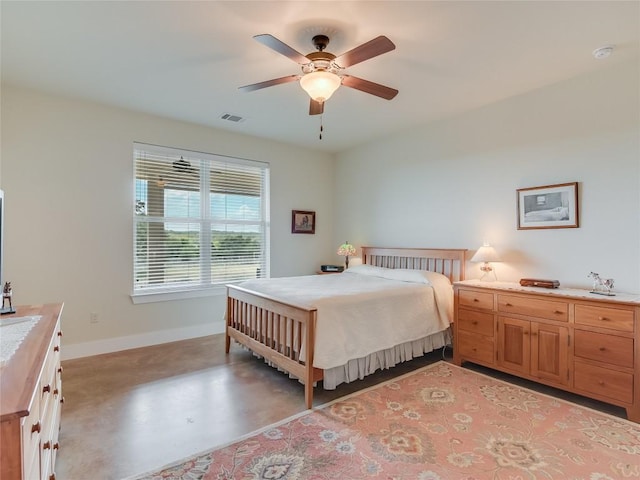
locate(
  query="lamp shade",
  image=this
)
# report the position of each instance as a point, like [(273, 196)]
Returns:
[(320, 85), (346, 250), (486, 253)]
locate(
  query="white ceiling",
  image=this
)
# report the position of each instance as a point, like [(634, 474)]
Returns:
[(186, 60)]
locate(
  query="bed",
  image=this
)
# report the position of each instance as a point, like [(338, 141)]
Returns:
[(549, 215), (302, 331)]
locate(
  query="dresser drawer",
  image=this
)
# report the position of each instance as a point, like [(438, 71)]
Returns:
[(605, 382), (534, 307), (47, 387), (613, 318), (470, 298), (472, 346), (52, 360), (31, 428), (476, 322), (55, 432), (45, 464), (31, 465), (604, 348)]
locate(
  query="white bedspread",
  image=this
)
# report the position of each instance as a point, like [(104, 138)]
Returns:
[(361, 314)]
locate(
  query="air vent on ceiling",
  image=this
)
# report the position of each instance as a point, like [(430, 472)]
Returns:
[(232, 118)]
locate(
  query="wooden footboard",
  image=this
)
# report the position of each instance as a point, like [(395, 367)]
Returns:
[(282, 333)]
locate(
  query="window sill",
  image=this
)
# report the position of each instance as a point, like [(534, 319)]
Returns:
[(165, 296)]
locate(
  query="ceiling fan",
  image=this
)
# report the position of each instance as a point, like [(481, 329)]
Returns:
[(321, 71)]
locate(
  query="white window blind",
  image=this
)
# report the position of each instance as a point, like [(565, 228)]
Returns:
[(200, 220)]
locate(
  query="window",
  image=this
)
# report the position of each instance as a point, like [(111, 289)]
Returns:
[(200, 220)]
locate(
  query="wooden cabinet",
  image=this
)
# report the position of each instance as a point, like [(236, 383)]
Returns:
[(534, 349), (549, 353), (568, 339), (31, 386), (514, 348)]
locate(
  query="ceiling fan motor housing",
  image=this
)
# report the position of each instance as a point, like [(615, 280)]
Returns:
[(320, 61), (320, 42)]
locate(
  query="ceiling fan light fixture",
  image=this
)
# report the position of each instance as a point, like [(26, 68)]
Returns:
[(320, 85)]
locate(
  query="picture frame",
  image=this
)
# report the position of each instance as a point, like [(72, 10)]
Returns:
[(549, 206), (303, 221)]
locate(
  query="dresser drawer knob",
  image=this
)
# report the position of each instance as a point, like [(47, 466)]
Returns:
[(46, 445), (475, 322), (56, 348), (61, 399), (46, 388), (603, 319), (35, 427), (558, 312), (56, 446), (476, 300), (601, 383), (59, 369), (508, 304), (60, 333), (55, 391), (602, 349), (52, 476)]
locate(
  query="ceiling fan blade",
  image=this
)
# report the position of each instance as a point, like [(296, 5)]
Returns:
[(372, 48), (369, 87), (316, 108), (282, 48), (269, 83)]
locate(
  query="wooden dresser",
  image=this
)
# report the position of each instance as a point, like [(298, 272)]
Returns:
[(31, 399), (570, 339)]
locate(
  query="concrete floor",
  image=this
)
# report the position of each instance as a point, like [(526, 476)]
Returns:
[(129, 412)]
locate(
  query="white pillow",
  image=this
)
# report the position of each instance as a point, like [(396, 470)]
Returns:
[(437, 279), (406, 275), (402, 274), (367, 270), (418, 276)]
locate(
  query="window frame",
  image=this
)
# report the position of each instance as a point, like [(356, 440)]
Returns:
[(205, 218)]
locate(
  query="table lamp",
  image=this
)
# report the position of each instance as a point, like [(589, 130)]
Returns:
[(485, 254), (346, 250)]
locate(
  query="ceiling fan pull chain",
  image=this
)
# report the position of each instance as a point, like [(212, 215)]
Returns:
[(321, 128)]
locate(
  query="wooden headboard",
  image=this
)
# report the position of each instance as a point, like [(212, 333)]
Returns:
[(448, 262)]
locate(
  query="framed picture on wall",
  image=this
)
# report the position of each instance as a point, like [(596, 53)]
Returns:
[(551, 206), (303, 221)]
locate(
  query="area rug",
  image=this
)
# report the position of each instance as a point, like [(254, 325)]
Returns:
[(438, 423)]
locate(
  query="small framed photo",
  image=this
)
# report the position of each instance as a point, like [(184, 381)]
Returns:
[(551, 206), (303, 221)]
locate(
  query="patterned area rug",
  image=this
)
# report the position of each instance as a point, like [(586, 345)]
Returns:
[(438, 423)]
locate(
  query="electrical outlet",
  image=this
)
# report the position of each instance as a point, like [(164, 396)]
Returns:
[(93, 317)]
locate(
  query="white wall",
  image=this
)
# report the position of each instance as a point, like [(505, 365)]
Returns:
[(453, 183), (67, 176), (67, 170)]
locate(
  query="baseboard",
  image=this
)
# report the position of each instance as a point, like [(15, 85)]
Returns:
[(117, 344)]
